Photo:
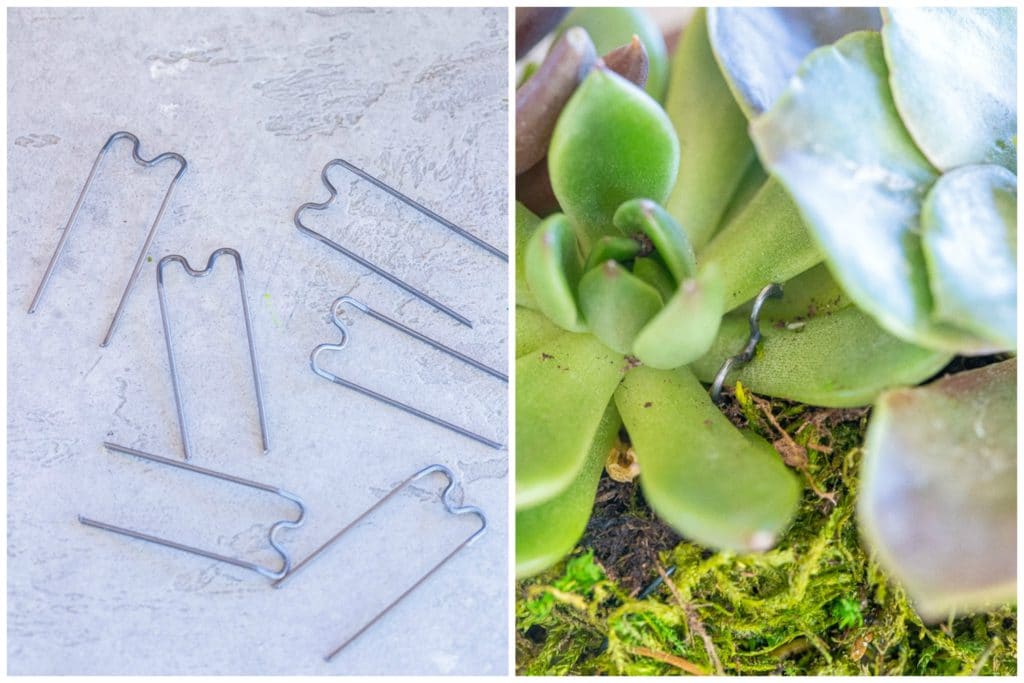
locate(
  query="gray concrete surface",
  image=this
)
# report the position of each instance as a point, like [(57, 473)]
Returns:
[(258, 101)]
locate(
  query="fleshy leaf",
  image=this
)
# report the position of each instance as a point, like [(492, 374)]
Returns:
[(837, 359), (612, 27), (751, 183), (699, 473), (715, 150), (938, 499), (969, 234), (656, 275), (671, 246), (611, 248), (616, 304), (760, 48), (612, 143), (686, 327), (836, 142), (526, 225), (552, 268), (562, 390), (954, 78), (547, 532), (533, 330), (767, 242)]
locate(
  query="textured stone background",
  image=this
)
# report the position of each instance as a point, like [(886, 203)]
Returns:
[(257, 101)]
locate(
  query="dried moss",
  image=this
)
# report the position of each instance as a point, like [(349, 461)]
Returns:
[(816, 604)]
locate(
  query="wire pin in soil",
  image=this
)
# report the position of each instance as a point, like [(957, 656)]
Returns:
[(244, 564), (774, 291), (141, 161), (314, 362)]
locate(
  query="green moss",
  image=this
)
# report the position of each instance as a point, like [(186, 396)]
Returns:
[(815, 604)]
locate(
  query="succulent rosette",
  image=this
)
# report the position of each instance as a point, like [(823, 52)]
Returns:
[(820, 149)]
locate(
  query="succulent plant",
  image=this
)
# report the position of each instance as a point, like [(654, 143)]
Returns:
[(815, 148)]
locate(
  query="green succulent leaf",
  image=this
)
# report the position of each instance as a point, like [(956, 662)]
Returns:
[(616, 305), (699, 473), (767, 242), (651, 271), (969, 234), (751, 183), (562, 390), (533, 330), (552, 266), (671, 245), (760, 48), (612, 143), (611, 248), (837, 359), (613, 27), (547, 532), (526, 225), (835, 141), (812, 293), (953, 72), (715, 150), (938, 499), (686, 327)]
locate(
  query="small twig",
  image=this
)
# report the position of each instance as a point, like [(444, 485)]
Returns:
[(694, 622), (793, 454), (676, 661)]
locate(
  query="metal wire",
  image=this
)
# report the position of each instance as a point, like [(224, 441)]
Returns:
[(286, 562), (314, 359), (146, 163), (449, 506), (774, 291), (422, 296), (165, 318)]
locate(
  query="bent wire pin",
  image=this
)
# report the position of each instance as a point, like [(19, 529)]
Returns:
[(449, 506), (146, 163), (772, 290), (271, 534), (315, 356), (175, 381), (427, 299)]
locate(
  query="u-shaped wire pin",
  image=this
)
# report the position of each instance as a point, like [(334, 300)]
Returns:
[(165, 318), (449, 506), (422, 296), (773, 291), (141, 161), (314, 362), (286, 562)]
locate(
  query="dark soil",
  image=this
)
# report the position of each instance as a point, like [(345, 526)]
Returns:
[(626, 536)]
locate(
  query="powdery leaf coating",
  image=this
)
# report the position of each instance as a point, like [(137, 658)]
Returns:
[(835, 141), (953, 73), (938, 500), (969, 234), (760, 48)]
